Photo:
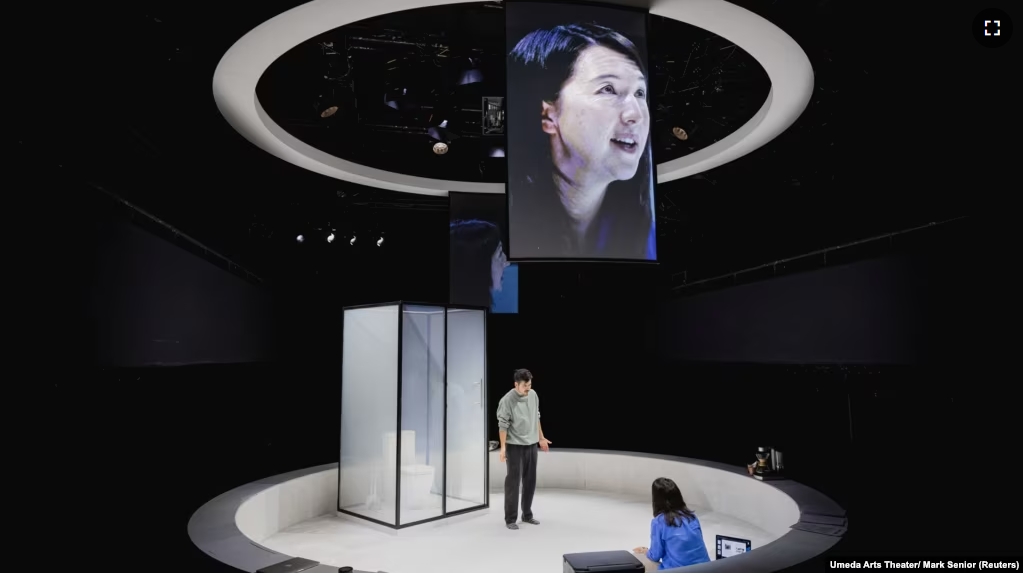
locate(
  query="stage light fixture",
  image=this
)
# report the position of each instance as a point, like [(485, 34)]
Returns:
[(330, 238), (442, 133), (397, 101), (679, 133), (440, 148), (470, 76), (300, 238)]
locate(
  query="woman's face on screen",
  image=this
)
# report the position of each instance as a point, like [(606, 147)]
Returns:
[(498, 262), (601, 117)]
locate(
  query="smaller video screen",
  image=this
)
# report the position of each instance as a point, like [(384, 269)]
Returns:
[(479, 271), (728, 546)]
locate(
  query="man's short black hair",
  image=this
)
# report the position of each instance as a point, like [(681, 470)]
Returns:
[(523, 376)]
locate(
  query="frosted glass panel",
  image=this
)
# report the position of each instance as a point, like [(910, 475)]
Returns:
[(422, 414), (369, 412), (467, 429)]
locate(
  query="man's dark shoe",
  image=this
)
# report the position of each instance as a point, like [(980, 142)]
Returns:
[(512, 526), (530, 521)]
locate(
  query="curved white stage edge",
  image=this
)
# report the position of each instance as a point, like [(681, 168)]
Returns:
[(236, 76), (229, 527)]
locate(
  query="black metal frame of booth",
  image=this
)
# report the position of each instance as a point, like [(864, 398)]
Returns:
[(444, 477)]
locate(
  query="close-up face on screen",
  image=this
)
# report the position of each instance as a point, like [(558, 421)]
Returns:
[(580, 167), (479, 272)]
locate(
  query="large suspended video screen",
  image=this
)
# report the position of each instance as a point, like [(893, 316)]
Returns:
[(479, 272), (580, 167)]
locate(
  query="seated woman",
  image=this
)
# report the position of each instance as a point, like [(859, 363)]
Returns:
[(676, 538)]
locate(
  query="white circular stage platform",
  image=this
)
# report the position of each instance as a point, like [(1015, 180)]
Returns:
[(586, 501), (571, 521)]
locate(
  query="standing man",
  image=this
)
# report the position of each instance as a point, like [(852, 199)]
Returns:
[(518, 417)]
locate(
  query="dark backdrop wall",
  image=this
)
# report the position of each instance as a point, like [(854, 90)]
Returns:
[(125, 450), (908, 307), (153, 303)]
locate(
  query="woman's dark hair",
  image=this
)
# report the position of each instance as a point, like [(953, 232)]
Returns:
[(540, 64), (669, 502), (550, 54), (473, 244)]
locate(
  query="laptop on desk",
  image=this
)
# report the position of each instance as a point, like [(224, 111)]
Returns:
[(728, 546)]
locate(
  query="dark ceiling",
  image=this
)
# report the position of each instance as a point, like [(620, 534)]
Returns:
[(894, 136), (434, 65)]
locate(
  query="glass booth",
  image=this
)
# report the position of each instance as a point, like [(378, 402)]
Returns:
[(425, 367)]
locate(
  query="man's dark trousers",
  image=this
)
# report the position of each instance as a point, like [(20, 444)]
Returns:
[(521, 467)]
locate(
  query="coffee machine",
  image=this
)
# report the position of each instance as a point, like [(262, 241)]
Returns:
[(768, 465)]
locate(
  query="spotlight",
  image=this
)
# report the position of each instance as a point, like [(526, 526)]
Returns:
[(399, 100), (442, 133), (679, 133), (330, 238), (440, 148), (328, 112), (380, 242), (352, 242), (300, 238)]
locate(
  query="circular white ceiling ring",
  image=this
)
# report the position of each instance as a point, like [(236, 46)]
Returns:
[(236, 76)]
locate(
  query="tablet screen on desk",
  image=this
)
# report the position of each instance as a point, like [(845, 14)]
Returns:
[(728, 546)]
